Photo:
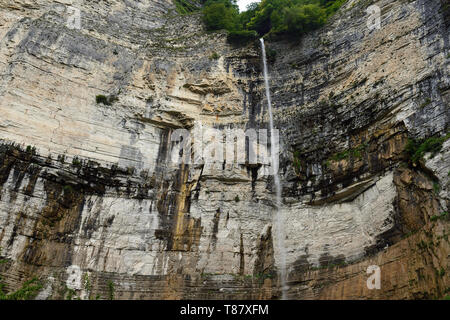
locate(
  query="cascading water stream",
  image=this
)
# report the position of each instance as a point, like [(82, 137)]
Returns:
[(275, 165)]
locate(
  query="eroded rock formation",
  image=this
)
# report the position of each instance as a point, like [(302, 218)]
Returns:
[(88, 194)]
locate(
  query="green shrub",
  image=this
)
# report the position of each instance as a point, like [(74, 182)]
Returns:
[(28, 291), (107, 101), (443, 215), (422, 245), (87, 283), (218, 15), (186, 6), (214, 56), (296, 162), (355, 153), (303, 18), (70, 294), (76, 162), (101, 99), (236, 199), (436, 187), (332, 6), (242, 37), (416, 149), (31, 150), (111, 290), (293, 17)]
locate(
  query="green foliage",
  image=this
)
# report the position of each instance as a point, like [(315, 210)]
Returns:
[(242, 36), (87, 283), (101, 99), (436, 187), (236, 199), (220, 14), (443, 216), (186, 6), (76, 162), (31, 150), (332, 6), (247, 15), (356, 153), (296, 162), (292, 17), (416, 149), (409, 234), (214, 56), (268, 16), (28, 291), (300, 19), (111, 290), (107, 101), (70, 294), (422, 245)]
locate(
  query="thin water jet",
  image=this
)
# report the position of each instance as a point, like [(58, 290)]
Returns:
[(279, 223)]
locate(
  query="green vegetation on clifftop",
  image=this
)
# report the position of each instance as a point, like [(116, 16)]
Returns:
[(290, 17), (416, 149)]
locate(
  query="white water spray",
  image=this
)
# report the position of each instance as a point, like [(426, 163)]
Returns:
[(275, 165)]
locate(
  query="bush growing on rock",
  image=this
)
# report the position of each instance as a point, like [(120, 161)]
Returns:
[(242, 36), (220, 14), (417, 149), (186, 6), (107, 101), (28, 291), (292, 17), (101, 99), (300, 19), (214, 56)]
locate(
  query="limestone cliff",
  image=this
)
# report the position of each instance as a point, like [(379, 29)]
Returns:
[(92, 206)]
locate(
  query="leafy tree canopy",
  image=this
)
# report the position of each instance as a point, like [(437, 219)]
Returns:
[(294, 17)]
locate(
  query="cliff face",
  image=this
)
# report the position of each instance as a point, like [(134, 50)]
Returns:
[(92, 205)]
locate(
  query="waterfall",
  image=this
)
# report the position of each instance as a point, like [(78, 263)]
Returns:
[(279, 223)]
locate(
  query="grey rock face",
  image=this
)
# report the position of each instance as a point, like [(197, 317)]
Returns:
[(88, 190)]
